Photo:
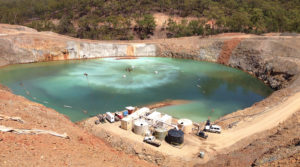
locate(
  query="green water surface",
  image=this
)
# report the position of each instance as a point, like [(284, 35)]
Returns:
[(63, 86)]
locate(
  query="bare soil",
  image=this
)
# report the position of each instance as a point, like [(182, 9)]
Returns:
[(227, 49), (167, 103), (278, 146), (82, 149), (246, 131)]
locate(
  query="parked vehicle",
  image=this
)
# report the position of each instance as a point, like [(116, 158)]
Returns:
[(101, 118), (202, 134), (151, 140), (110, 117), (117, 118), (212, 128), (119, 115)]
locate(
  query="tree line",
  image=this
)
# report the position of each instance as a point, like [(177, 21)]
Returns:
[(124, 19)]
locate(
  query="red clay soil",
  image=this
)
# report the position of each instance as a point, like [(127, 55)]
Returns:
[(227, 49), (126, 57), (82, 149)]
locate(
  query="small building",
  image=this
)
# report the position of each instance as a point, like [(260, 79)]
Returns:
[(141, 112), (153, 117), (164, 121), (126, 123), (130, 109)]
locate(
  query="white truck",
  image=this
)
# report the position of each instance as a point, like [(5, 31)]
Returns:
[(110, 117), (212, 128)]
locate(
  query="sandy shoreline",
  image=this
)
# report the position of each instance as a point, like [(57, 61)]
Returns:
[(166, 103)]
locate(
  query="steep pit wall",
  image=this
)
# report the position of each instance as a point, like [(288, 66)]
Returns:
[(18, 46), (28, 50), (275, 60)]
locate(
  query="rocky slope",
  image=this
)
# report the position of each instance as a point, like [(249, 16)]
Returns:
[(273, 59)]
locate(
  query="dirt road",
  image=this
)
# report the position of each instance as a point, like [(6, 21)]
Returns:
[(255, 124)]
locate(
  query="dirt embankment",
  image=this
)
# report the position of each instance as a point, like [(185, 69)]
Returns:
[(273, 59), (81, 149), (276, 61)]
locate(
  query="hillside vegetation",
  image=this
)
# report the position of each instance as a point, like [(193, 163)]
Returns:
[(129, 19)]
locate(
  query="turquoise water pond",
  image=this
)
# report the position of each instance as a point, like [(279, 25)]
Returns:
[(62, 85)]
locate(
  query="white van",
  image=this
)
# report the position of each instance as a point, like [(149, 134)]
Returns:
[(212, 128), (110, 117)]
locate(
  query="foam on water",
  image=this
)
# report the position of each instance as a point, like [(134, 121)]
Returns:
[(110, 87), (112, 75)]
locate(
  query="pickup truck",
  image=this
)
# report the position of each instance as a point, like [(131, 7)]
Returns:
[(212, 128)]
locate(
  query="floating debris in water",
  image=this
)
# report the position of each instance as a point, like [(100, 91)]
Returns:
[(66, 106), (124, 76), (34, 98), (199, 86), (132, 66), (84, 111), (156, 72), (27, 92), (45, 102)]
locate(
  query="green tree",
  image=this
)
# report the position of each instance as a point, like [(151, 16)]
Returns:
[(145, 26), (65, 26), (239, 21), (196, 27), (257, 19)]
